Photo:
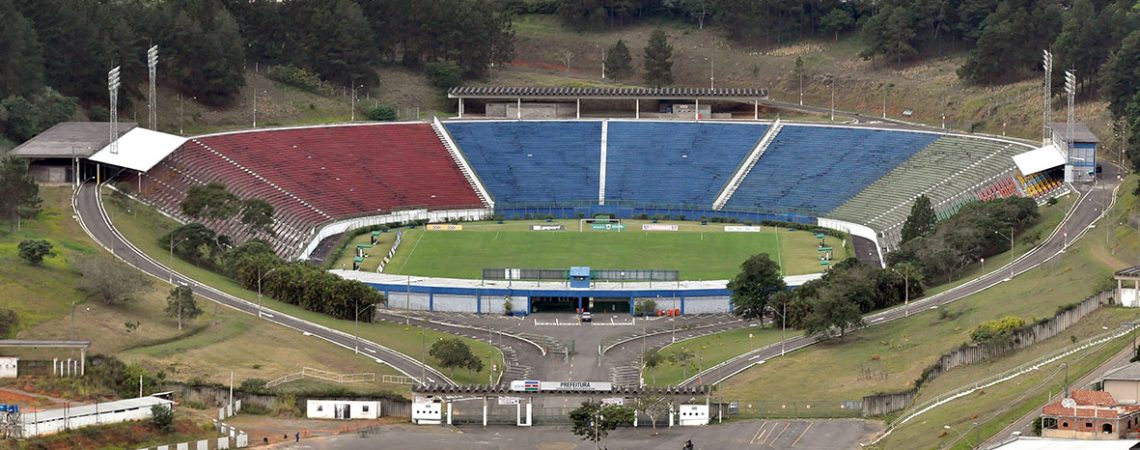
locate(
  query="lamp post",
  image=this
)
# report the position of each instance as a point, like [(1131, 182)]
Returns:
[(356, 325), (783, 325), (170, 265), (1010, 249), (906, 289), (712, 72), (261, 276), (831, 84)]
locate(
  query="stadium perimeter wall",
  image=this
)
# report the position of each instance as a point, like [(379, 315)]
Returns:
[(489, 297), (394, 217), (855, 229)]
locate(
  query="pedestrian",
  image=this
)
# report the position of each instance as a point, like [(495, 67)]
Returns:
[(298, 436)]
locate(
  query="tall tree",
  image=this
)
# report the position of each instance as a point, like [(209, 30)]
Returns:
[(836, 21), (211, 201), (619, 64), (832, 310), (658, 60), (111, 281), (1121, 80), (752, 289), (1010, 41), (594, 421), (22, 71), (453, 353), (257, 214), (340, 43), (19, 193), (181, 304), (921, 219)]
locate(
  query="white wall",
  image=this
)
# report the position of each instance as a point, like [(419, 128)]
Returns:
[(8, 367), (456, 303), (691, 415), (32, 428), (427, 413), (855, 229), (699, 305), (337, 409), (1128, 297)]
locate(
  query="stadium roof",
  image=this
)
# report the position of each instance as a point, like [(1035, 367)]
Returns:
[(1036, 160), (1131, 272), (605, 93), (1081, 132), (1129, 372), (83, 410), (633, 391), (70, 139), (140, 149), (1042, 443)]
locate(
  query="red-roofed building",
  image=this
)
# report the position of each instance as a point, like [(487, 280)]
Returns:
[(1089, 415)]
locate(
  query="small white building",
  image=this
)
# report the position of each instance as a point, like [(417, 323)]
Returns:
[(1128, 286), (39, 423), (342, 409), (693, 415), (9, 366)]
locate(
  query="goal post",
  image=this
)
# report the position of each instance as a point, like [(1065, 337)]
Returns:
[(599, 223)]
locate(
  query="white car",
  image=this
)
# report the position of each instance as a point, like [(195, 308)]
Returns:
[(586, 317)]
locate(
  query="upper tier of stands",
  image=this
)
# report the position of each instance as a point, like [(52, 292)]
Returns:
[(675, 163), (948, 169), (533, 162), (313, 175), (811, 170)]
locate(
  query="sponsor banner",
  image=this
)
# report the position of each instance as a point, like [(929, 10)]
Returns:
[(444, 227), (547, 227), (617, 401), (509, 400), (608, 226), (658, 227), (583, 386), (420, 400), (741, 229)]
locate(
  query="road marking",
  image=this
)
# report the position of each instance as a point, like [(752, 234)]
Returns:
[(758, 430), (797, 441), (773, 443), (369, 350), (876, 319)]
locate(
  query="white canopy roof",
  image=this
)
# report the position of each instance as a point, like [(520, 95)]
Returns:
[(1034, 161), (140, 149)]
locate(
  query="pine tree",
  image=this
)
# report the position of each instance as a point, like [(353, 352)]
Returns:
[(921, 219), (658, 60), (619, 64)]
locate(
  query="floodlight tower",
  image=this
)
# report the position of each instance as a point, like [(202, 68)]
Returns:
[(1047, 113), (1071, 93), (152, 106), (113, 88)]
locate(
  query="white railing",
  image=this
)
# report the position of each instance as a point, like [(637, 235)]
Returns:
[(309, 372), (746, 167), (453, 149)]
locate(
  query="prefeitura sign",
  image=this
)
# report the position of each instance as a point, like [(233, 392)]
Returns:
[(582, 386)]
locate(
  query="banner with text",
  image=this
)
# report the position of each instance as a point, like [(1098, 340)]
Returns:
[(608, 226), (658, 227), (547, 227), (741, 229), (444, 227)]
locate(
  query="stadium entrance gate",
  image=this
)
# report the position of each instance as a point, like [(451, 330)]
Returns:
[(610, 305), (556, 304)]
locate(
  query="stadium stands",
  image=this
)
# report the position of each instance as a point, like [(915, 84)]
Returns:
[(313, 175), (533, 162), (675, 163), (811, 170), (1038, 185), (950, 171)]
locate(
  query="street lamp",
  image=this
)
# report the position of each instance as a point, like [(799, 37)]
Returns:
[(783, 325), (261, 276), (352, 101), (906, 289), (356, 325), (1010, 237), (170, 266)]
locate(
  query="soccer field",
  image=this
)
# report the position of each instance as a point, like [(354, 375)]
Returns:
[(699, 252)]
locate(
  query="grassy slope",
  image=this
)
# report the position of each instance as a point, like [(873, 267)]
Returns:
[(711, 350), (699, 252), (890, 357), (143, 226)]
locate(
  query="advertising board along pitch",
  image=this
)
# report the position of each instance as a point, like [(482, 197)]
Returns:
[(658, 227), (547, 227), (741, 229)]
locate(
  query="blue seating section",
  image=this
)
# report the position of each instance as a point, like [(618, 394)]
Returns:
[(813, 170), (675, 163), (522, 162)]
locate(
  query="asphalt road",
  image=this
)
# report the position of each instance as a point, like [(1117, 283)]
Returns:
[(93, 218), (1095, 198)]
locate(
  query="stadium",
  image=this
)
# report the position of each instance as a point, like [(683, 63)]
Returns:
[(662, 208)]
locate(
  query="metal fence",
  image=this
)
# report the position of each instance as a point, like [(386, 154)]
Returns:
[(774, 408), (595, 274)]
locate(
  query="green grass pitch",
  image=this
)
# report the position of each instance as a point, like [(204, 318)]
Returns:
[(699, 252)]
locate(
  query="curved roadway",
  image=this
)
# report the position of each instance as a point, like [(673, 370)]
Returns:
[(1094, 200), (93, 218)]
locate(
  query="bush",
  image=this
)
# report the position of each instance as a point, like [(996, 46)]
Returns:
[(162, 417), (294, 76), (997, 330), (9, 323), (381, 113), (444, 75)]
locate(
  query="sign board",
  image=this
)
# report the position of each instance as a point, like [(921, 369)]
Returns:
[(444, 227), (618, 401), (578, 386), (741, 229), (658, 227), (608, 226), (509, 400), (547, 227)]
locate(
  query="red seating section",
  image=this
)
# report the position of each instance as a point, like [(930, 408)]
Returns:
[(1002, 188), (314, 175)]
